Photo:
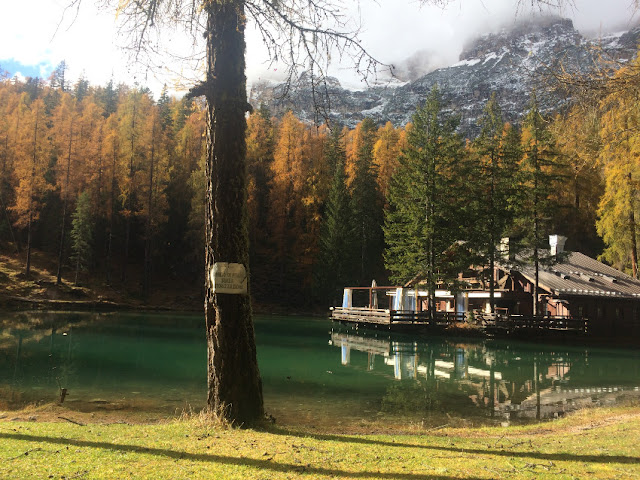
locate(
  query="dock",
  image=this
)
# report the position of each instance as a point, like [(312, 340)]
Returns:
[(487, 324)]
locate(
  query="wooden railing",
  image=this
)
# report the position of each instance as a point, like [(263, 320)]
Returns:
[(487, 322), (361, 315), (530, 322)]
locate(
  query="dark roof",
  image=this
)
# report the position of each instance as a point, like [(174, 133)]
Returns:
[(578, 274)]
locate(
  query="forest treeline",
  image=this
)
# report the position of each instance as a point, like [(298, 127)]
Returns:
[(111, 183)]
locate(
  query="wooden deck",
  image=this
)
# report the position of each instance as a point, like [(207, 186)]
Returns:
[(489, 324)]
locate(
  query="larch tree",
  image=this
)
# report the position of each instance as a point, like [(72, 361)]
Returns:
[(91, 148), (134, 140), (111, 152), (390, 142), (577, 135), (184, 200), (304, 34), (154, 181), (9, 125), (32, 160), (260, 149), (65, 133), (620, 204)]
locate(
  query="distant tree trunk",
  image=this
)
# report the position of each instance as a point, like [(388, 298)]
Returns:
[(492, 236), (536, 258), (6, 216), (234, 384), (112, 215), (28, 268), (2, 204), (65, 200), (75, 282), (130, 204), (148, 234), (31, 193), (634, 244)]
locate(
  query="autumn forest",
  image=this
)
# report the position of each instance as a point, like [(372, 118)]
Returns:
[(110, 183)]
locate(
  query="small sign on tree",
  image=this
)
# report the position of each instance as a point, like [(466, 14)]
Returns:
[(229, 278)]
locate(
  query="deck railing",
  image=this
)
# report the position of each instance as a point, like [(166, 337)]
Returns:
[(487, 322)]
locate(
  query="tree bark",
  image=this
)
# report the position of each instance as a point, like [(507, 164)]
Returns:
[(234, 384)]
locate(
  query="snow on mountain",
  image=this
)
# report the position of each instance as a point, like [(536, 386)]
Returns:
[(512, 63)]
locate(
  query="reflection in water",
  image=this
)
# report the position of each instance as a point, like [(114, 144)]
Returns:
[(156, 364), (99, 361), (512, 381)]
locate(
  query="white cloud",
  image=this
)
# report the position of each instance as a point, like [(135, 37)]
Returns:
[(393, 30)]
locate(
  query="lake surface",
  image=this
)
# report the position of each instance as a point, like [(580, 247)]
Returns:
[(315, 373)]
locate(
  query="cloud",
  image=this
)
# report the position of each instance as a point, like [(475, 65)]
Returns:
[(394, 31)]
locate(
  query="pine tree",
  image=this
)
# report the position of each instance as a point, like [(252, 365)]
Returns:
[(540, 170), (367, 207), (335, 263), (493, 191), (82, 234), (422, 225)]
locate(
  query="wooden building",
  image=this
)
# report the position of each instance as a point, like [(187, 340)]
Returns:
[(575, 292), (575, 286)]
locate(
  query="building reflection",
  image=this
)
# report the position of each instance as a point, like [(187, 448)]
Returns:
[(511, 383)]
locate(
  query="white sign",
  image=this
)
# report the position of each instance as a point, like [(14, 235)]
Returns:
[(229, 278)]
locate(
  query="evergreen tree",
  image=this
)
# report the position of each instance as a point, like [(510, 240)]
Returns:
[(367, 208), (540, 170), (493, 172), (423, 223), (335, 259), (82, 233), (260, 157)]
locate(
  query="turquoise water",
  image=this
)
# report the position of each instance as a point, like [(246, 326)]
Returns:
[(314, 372)]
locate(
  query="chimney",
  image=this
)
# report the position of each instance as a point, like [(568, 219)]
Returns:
[(556, 244), (505, 251)]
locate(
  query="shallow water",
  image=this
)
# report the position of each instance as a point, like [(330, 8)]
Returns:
[(314, 373)]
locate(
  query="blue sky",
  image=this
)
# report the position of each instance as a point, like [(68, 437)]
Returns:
[(15, 67)]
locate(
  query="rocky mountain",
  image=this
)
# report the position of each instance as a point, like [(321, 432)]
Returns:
[(511, 63)]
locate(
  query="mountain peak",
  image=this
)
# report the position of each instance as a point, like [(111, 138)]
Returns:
[(535, 29), (510, 63)]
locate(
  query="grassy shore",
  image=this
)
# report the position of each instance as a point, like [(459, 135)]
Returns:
[(593, 443)]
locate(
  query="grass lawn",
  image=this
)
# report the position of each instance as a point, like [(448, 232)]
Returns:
[(593, 443)]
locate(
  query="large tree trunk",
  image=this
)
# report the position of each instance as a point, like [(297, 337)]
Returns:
[(234, 385)]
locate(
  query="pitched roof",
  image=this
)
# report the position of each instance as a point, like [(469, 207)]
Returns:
[(578, 274)]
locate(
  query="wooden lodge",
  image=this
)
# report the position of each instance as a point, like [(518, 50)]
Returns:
[(576, 294)]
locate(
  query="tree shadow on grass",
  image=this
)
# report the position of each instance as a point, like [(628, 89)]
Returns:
[(559, 457), (222, 459)]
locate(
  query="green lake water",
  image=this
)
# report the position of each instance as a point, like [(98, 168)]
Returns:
[(314, 372)]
